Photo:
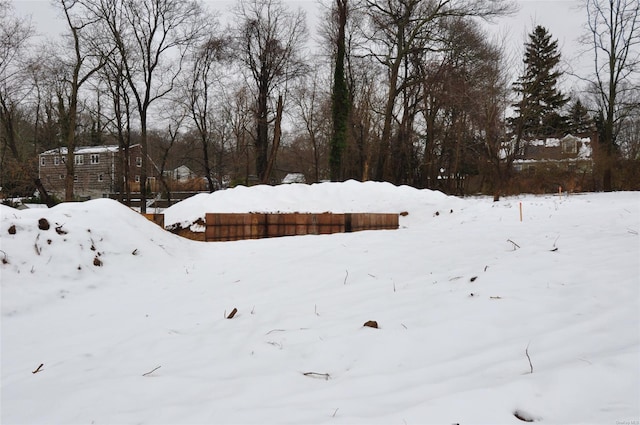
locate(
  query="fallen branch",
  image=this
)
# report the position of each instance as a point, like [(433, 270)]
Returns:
[(324, 376), (526, 351), (151, 371), (275, 344), (38, 369), (515, 245)]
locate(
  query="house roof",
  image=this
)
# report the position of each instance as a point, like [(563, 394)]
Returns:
[(79, 150), (552, 149)]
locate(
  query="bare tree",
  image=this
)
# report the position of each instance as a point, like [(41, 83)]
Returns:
[(403, 28), (152, 37), (200, 83), (119, 121), (270, 45), (614, 34), (311, 111), (14, 38), (82, 64)]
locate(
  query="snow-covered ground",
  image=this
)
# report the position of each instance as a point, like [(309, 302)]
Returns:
[(481, 316)]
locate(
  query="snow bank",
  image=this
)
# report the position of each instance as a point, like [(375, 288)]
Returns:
[(350, 196)]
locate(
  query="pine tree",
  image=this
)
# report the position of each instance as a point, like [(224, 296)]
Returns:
[(578, 120), (538, 111)]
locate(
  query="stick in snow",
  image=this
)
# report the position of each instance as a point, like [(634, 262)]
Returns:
[(526, 351), (151, 371), (38, 369), (317, 375)]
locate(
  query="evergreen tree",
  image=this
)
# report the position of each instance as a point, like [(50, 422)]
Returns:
[(540, 104), (578, 120)]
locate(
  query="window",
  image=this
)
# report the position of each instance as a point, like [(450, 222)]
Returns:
[(95, 158), (61, 176), (569, 146), (100, 177), (56, 160), (75, 178), (78, 160), (138, 161), (42, 161), (137, 179)]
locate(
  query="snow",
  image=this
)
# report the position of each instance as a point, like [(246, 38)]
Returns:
[(83, 150), (462, 293)]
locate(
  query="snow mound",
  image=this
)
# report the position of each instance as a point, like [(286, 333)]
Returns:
[(76, 237), (345, 197)]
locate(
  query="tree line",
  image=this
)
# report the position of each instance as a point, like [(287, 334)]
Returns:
[(408, 91)]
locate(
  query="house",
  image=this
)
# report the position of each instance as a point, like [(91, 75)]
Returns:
[(181, 174), (97, 170), (570, 153), (294, 178)]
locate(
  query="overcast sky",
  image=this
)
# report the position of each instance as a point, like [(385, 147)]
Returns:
[(562, 18)]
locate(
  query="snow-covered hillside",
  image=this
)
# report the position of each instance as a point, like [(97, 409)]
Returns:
[(481, 317)]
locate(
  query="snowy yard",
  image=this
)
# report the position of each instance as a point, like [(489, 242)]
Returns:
[(108, 319)]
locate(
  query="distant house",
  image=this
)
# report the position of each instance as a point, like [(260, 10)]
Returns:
[(294, 178), (97, 170), (570, 153), (181, 174)]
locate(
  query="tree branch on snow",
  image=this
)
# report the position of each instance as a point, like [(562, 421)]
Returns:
[(324, 376), (515, 245), (526, 351), (151, 371)]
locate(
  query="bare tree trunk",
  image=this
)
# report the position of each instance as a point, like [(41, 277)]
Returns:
[(277, 134)]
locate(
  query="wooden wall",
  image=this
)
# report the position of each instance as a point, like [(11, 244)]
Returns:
[(232, 226)]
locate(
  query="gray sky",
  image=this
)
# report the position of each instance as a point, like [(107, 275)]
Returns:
[(562, 18)]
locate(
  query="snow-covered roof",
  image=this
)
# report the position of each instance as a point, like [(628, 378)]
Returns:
[(79, 150), (294, 178)]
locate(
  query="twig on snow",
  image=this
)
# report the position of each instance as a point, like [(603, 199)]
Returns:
[(345, 278), (334, 412), (515, 245), (526, 351), (38, 369), (324, 376), (151, 371)]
